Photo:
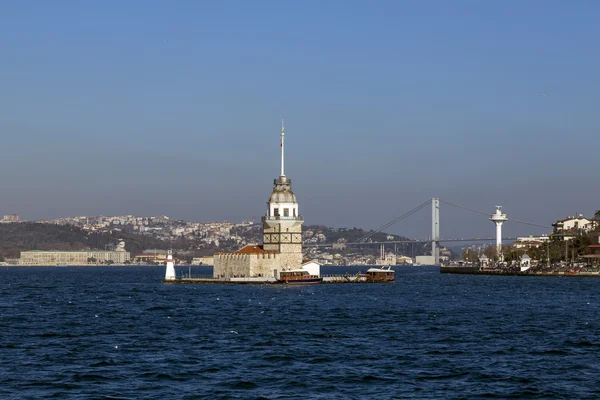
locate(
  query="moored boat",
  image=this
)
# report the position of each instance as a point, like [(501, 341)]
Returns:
[(298, 277), (381, 274)]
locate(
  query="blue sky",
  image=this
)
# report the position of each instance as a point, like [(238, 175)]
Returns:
[(174, 108)]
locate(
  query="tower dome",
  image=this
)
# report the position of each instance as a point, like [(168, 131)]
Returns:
[(282, 191)]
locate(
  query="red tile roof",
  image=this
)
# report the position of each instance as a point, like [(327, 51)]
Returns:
[(255, 250), (250, 249)]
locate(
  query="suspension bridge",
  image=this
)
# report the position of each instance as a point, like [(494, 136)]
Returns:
[(435, 239)]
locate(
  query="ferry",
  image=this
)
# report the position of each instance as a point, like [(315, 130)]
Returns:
[(298, 277), (381, 274)]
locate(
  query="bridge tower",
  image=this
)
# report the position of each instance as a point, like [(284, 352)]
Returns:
[(435, 230), (499, 218)]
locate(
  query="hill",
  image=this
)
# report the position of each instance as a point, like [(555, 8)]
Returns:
[(15, 238)]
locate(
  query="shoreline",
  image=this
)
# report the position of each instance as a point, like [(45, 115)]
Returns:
[(476, 271)]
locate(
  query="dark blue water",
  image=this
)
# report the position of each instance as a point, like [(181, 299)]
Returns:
[(120, 333)]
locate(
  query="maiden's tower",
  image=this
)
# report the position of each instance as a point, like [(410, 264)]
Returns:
[(282, 237)]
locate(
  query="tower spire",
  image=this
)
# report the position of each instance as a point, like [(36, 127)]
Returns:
[(282, 148)]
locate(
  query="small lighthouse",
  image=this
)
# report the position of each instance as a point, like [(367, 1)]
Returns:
[(499, 218), (170, 273)]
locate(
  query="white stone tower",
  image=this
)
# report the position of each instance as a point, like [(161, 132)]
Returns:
[(170, 272), (282, 224), (499, 218)]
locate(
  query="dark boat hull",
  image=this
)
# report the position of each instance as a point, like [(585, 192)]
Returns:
[(307, 281), (392, 280)]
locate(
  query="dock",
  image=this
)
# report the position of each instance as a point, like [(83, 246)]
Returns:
[(330, 279), (344, 279), (223, 281)]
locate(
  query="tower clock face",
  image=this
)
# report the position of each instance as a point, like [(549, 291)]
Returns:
[(266, 238), (285, 237), (297, 238)]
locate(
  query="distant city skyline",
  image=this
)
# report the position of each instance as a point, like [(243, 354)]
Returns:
[(114, 108)]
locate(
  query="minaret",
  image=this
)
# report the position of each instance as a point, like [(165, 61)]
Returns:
[(498, 218), (282, 224), (170, 273)]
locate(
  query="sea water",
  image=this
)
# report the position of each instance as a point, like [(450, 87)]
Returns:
[(119, 333)]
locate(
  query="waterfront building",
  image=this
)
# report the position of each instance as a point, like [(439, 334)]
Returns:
[(424, 260), (484, 261), (160, 258), (282, 237), (574, 225), (386, 259), (404, 260), (81, 257), (206, 260), (11, 218), (75, 257), (528, 242)]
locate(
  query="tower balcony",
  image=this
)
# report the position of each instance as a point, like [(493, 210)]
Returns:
[(277, 218)]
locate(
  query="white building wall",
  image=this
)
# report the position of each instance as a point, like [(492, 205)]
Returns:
[(265, 265), (72, 257), (578, 223), (313, 268), (281, 206), (424, 260)]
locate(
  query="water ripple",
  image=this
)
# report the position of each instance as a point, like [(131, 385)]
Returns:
[(118, 333)]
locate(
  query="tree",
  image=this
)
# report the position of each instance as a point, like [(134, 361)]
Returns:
[(91, 260), (491, 252)]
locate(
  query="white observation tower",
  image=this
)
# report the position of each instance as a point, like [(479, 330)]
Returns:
[(499, 218)]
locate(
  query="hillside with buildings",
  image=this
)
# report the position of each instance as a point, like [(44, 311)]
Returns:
[(147, 236), (17, 237)]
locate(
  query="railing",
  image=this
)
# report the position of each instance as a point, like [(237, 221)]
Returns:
[(187, 275), (281, 218)]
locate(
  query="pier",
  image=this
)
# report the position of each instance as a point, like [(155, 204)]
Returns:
[(333, 278), (223, 281)]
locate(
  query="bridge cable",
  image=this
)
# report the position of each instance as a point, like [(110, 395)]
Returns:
[(529, 223), (464, 208), (487, 214), (400, 218)]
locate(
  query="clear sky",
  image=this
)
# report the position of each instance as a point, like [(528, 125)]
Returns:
[(158, 107)]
